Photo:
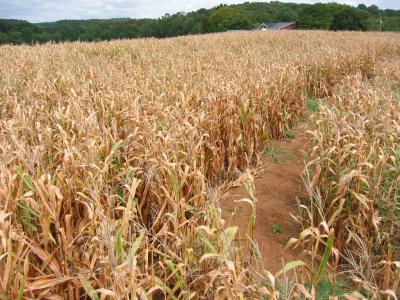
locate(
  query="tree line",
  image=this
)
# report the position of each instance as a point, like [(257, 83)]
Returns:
[(331, 16)]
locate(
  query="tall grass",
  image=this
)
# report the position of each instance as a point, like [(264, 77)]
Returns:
[(352, 181), (111, 155)]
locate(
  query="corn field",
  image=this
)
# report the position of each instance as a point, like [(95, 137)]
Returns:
[(112, 156), (353, 180)]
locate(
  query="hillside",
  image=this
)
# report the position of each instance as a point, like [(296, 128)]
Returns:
[(221, 18)]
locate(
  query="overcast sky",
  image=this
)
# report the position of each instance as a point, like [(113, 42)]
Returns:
[(52, 10)]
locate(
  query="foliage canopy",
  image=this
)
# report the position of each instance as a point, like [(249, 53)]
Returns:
[(331, 16)]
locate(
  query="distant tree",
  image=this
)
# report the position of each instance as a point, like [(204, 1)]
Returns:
[(26, 34), (315, 16), (221, 18), (280, 12), (41, 37), (16, 37), (350, 18), (227, 18), (392, 12), (335, 7), (373, 9), (257, 12), (390, 23), (4, 39)]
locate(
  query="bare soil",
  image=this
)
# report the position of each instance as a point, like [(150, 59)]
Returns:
[(276, 188)]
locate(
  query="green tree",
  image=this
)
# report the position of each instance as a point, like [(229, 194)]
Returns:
[(4, 39), (316, 16), (350, 18), (16, 37), (373, 9), (228, 18), (41, 37), (240, 16), (26, 34), (280, 12)]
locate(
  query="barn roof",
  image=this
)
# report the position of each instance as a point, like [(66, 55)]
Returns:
[(276, 26)]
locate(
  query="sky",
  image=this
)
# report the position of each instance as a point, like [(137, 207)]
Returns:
[(53, 10)]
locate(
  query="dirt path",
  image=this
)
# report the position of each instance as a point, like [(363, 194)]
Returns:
[(276, 189)]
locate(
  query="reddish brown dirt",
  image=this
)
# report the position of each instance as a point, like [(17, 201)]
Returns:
[(276, 188)]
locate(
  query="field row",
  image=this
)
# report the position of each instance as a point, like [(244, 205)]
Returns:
[(110, 153)]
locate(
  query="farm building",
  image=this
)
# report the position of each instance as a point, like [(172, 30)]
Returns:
[(278, 26)]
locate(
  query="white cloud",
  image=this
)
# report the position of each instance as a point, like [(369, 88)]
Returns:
[(51, 10)]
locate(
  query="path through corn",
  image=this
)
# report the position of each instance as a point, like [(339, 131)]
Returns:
[(276, 189)]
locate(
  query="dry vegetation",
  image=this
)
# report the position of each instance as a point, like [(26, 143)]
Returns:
[(353, 180), (111, 155)]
